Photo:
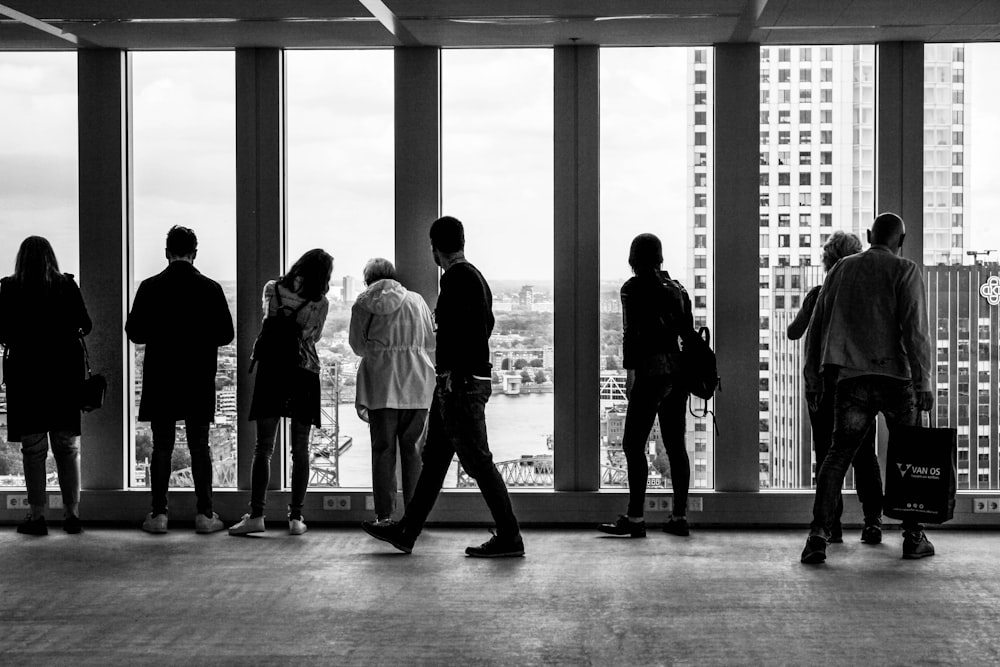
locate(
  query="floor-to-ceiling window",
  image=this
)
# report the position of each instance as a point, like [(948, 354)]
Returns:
[(184, 150)]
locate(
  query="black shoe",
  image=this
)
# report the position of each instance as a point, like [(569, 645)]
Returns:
[(815, 551), (677, 525), (497, 547), (837, 534), (916, 545), (36, 526), (71, 524), (394, 534), (872, 532), (622, 526)]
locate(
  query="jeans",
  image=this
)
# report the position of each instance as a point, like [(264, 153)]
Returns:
[(457, 425), (164, 436), (260, 472), (867, 474), (857, 402), (389, 426), (66, 451), (653, 396)]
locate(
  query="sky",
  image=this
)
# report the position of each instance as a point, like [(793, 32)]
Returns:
[(496, 153)]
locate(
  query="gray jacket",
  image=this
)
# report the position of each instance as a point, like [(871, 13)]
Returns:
[(870, 319)]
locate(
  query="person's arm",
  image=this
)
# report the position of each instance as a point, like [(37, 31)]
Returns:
[(912, 308), (798, 326), (812, 354), (81, 318), (138, 326), (629, 333), (223, 331), (324, 310)]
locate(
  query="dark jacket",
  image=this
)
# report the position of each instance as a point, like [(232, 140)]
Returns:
[(182, 318), (464, 319), (44, 369), (656, 312)]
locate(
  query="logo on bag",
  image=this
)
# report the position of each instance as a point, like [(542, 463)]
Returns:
[(918, 472), (990, 290)]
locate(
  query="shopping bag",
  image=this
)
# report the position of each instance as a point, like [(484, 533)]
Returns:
[(920, 474)]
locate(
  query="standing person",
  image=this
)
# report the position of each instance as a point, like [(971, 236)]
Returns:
[(291, 392), (867, 474), (869, 331), (457, 420), (183, 318), (392, 332), (656, 313), (42, 317)]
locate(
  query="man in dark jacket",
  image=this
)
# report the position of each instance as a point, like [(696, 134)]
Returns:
[(457, 419), (182, 318)]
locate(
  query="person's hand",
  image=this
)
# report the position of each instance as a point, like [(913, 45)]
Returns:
[(925, 400), (814, 398), (629, 381)]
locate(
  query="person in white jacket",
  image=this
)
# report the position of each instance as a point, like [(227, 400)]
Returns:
[(392, 332)]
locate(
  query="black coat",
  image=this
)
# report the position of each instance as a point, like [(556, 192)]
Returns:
[(44, 369), (182, 318)]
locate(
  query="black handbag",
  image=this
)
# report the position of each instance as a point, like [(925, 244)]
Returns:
[(95, 386), (920, 475)]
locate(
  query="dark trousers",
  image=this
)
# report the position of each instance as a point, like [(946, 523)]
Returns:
[(654, 396), (867, 473), (857, 402), (164, 436), (391, 428), (260, 469), (457, 425)]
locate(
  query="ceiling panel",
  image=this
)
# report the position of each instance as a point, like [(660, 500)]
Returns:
[(563, 8), (186, 9)]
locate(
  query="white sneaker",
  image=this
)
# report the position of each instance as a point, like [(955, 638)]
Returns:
[(297, 527), (248, 525), (208, 524), (155, 524)]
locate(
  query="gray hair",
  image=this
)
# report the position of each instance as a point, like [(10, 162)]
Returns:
[(839, 245), (378, 268)]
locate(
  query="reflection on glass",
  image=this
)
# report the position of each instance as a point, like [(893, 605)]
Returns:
[(38, 182), (961, 244), (652, 101), (817, 175), (184, 149), (341, 199), (497, 179)]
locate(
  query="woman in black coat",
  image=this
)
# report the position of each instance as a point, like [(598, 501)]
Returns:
[(42, 317)]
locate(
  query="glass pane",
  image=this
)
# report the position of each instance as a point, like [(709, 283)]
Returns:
[(817, 176), (497, 179), (341, 199), (652, 101), (184, 149), (961, 244), (38, 182)]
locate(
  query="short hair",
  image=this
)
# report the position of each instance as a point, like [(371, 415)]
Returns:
[(887, 229), (839, 245), (181, 241), (378, 268), (315, 268), (448, 234), (646, 253)]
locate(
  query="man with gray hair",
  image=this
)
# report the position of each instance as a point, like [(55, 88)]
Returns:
[(869, 331), (391, 330)]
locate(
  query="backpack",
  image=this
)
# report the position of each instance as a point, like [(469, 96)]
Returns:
[(701, 370), (277, 344)]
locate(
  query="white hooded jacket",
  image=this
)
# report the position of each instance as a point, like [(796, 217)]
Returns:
[(392, 332)]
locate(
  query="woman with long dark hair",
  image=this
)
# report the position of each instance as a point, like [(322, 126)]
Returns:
[(42, 317), (656, 313), (289, 392)]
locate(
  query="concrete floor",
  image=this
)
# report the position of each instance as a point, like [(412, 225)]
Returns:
[(337, 597)]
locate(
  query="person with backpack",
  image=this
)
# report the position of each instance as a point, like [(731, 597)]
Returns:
[(656, 313), (183, 318), (42, 320), (286, 383)]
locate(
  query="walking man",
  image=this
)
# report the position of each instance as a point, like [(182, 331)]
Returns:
[(869, 330), (182, 318), (457, 420)]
